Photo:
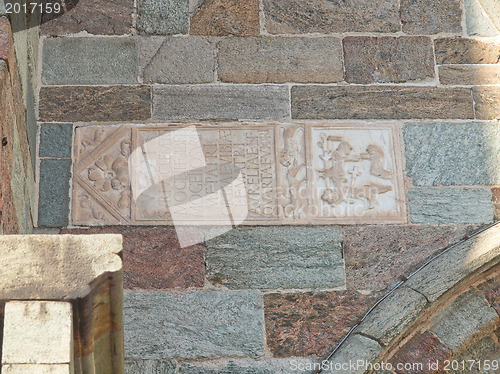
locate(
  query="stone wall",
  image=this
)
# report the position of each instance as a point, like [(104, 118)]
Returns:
[(254, 298)]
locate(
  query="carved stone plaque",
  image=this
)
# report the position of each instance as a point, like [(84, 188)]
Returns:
[(237, 173)]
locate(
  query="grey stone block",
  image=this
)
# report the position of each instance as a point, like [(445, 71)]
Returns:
[(174, 60), (270, 366), (477, 22), (56, 140), (393, 315), (279, 60), (220, 102), (163, 17), (492, 9), (357, 347), (53, 205), (445, 154), (276, 257), (3, 10), (90, 60), (462, 319), (447, 270), (151, 367), (193, 324), (450, 205)]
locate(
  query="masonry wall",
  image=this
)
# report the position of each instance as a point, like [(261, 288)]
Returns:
[(252, 299)]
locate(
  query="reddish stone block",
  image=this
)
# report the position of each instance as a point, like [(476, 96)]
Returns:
[(153, 258), (422, 349), (312, 323), (495, 196), (491, 290), (5, 39)]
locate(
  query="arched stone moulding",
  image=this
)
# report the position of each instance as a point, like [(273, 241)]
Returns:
[(448, 311)]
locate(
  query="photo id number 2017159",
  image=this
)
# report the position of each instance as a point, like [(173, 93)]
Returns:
[(42, 7)]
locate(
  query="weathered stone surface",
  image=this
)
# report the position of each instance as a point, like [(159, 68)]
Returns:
[(226, 17), (53, 202), (495, 197), (477, 21), (90, 61), (276, 257), (445, 154), (177, 60), (56, 139), (269, 366), (388, 59), (151, 367), (37, 332), (94, 103), (93, 16), (36, 369), (311, 323), (193, 324), (377, 255), (491, 290), (469, 74), (305, 16), (487, 102), (468, 315), (444, 272), (159, 17), (385, 102), (356, 348), (450, 205), (431, 17), (222, 102), (393, 315), (466, 51), (69, 264), (153, 258), (422, 349), (492, 10), (279, 60)]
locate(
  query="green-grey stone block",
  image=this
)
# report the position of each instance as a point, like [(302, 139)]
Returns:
[(450, 205), (195, 324), (270, 366), (151, 367), (276, 257), (53, 205), (56, 140), (476, 20), (96, 60), (163, 17), (445, 154)]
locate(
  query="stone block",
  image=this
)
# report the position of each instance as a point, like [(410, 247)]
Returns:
[(56, 140), (388, 59), (269, 366), (358, 347), (90, 61), (450, 205), (220, 102), (495, 196), (94, 103), (153, 258), (492, 10), (422, 349), (276, 257), (444, 272), (491, 290), (37, 369), (280, 60), (197, 324), (226, 17), (300, 324), (323, 16), (384, 102), (431, 17), (37, 332), (177, 60), (53, 203), (465, 317), (469, 74), (159, 17), (483, 349), (377, 255), (391, 317), (487, 102), (466, 51), (446, 154), (93, 16), (478, 22), (151, 367)]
